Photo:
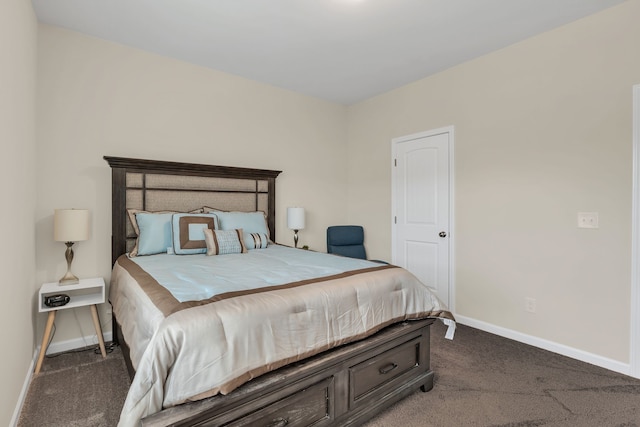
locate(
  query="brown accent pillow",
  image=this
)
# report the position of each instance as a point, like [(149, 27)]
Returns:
[(188, 232)]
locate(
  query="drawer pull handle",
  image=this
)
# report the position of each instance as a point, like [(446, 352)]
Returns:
[(387, 368), (279, 422)]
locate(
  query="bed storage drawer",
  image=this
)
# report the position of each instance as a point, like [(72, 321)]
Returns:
[(371, 376), (343, 387), (308, 407)]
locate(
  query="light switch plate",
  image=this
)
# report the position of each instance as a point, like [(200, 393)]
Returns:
[(587, 219)]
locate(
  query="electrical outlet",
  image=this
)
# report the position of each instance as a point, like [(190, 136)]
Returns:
[(530, 305), (587, 219)]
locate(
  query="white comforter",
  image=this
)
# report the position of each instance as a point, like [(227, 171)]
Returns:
[(193, 351)]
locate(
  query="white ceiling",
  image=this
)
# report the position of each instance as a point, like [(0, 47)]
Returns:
[(339, 50)]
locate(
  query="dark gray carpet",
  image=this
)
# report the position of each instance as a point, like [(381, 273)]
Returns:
[(485, 380), (480, 380), (77, 389)]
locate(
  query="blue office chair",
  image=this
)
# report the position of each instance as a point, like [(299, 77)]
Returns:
[(347, 240)]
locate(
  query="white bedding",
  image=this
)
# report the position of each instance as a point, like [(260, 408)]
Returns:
[(196, 350)]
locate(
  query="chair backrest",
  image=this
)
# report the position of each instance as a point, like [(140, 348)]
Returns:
[(346, 240)]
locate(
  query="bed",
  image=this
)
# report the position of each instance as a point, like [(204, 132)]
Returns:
[(303, 339)]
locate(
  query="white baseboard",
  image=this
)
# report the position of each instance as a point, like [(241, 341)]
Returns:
[(594, 359), (23, 393), (55, 347), (62, 346)]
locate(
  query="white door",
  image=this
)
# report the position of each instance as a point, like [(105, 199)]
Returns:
[(421, 208)]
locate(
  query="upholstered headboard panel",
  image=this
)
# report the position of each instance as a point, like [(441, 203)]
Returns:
[(153, 185)]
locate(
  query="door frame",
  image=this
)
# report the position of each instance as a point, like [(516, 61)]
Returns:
[(394, 143), (634, 344)]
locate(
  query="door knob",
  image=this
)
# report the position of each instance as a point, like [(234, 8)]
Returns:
[(442, 234)]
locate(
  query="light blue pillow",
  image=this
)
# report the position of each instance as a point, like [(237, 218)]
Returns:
[(249, 222), (155, 233), (188, 232)]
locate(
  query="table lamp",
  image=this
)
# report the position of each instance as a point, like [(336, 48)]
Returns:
[(295, 222), (70, 226)]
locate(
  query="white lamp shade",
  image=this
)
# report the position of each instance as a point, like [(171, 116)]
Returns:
[(295, 218), (70, 225)]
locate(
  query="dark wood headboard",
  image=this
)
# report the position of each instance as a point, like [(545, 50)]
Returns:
[(159, 185)]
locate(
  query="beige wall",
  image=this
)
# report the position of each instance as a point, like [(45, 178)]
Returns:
[(542, 132), (98, 98), (18, 30)]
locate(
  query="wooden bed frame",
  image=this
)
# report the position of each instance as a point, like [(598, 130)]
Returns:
[(343, 386)]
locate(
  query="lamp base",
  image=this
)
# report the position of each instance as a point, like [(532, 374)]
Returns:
[(295, 238), (69, 278)]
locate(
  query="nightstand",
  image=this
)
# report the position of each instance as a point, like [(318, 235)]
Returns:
[(87, 292)]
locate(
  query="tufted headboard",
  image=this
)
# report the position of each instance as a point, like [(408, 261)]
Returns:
[(154, 185)]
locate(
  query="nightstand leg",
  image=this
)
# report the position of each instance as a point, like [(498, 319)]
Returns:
[(96, 323), (45, 339)]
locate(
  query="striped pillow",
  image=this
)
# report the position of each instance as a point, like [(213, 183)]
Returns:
[(256, 240), (222, 242)]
